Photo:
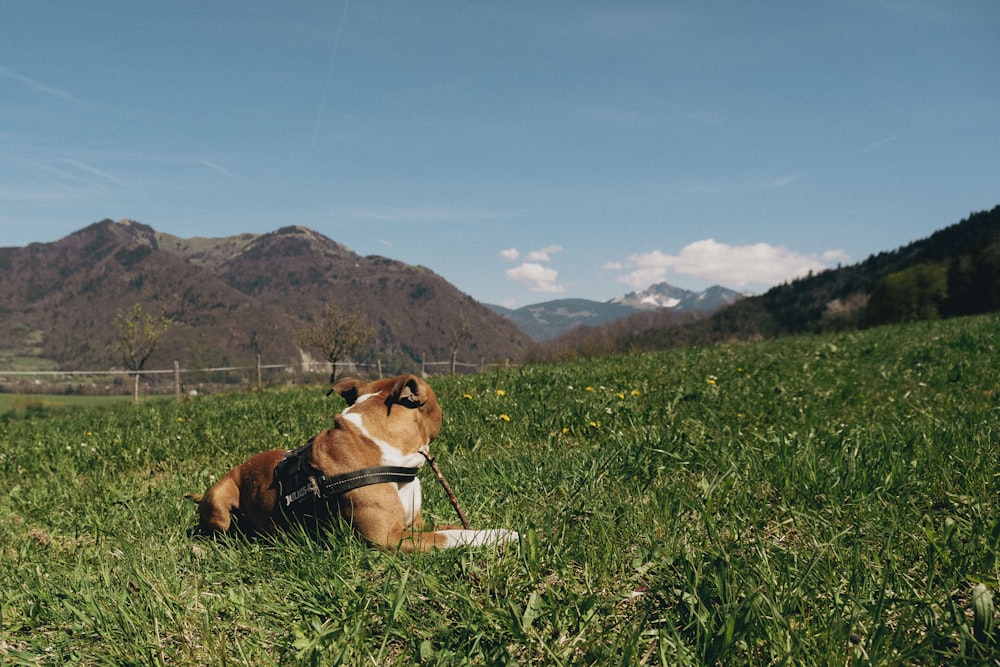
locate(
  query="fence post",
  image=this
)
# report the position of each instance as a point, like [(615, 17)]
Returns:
[(304, 366)]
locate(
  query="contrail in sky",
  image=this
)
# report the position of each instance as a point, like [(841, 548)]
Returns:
[(92, 170), (882, 142), (329, 76), (40, 87)]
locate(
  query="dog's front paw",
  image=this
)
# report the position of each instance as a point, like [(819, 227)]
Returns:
[(478, 538)]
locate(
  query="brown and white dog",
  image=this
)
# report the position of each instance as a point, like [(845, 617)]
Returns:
[(387, 426)]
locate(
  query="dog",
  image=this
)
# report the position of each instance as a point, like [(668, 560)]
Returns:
[(364, 468)]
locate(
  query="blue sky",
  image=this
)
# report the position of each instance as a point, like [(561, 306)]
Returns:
[(525, 151)]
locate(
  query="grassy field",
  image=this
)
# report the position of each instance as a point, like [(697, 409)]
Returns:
[(42, 403), (821, 500)]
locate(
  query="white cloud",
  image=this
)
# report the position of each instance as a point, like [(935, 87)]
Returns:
[(838, 256), (755, 265), (543, 254), (536, 277), (531, 273)]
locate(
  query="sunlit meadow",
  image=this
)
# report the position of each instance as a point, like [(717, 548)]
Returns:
[(822, 500)]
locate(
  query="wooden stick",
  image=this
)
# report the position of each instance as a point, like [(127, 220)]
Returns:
[(447, 489)]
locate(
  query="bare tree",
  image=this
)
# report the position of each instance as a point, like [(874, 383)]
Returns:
[(336, 333), (459, 335), (138, 333)]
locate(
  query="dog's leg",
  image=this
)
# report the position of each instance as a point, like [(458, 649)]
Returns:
[(448, 539), (217, 506), (379, 516), (408, 540)]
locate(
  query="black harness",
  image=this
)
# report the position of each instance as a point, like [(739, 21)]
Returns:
[(300, 486)]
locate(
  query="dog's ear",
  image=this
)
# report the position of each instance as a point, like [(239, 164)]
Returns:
[(348, 388), (407, 391)]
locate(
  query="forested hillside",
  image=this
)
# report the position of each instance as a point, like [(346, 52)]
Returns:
[(953, 272)]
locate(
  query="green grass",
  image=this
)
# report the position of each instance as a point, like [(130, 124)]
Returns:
[(43, 403), (820, 500)]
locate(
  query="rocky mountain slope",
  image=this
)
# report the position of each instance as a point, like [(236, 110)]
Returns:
[(230, 299)]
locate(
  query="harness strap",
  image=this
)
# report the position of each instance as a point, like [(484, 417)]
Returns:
[(305, 481), (341, 484)]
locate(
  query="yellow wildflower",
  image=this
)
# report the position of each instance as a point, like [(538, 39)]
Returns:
[(505, 418), (501, 392)]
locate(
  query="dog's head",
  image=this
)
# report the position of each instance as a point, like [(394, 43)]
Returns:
[(402, 411)]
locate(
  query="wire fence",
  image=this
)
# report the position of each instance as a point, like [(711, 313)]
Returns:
[(184, 380)]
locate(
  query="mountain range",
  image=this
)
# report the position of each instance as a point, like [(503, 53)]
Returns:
[(551, 319), (230, 299), (677, 299)]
